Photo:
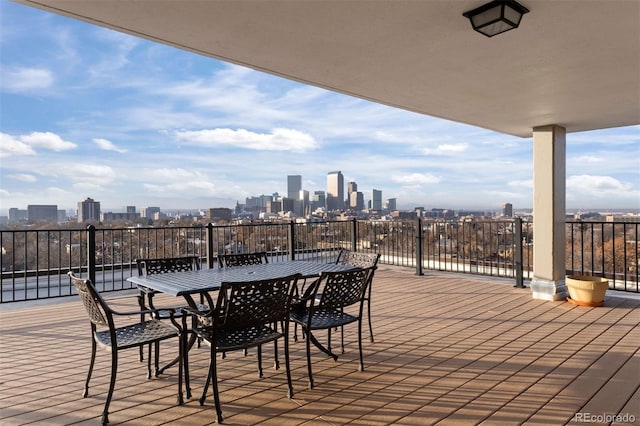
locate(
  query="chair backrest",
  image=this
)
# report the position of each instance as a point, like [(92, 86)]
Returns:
[(252, 303), (169, 264), (344, 288), (230, 260), (357, 259), (97, 309)]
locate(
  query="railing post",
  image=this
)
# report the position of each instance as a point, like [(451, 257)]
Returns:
[(91, 253), (292, 239), (210, 245), (354, 234), (419, 249), (517, 224)]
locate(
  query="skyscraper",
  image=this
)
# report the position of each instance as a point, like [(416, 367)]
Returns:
[(390, 204), (376, 199), (335, 191), (294, 185), (356, 200), (318, 200), (88, 210), (507, 210)]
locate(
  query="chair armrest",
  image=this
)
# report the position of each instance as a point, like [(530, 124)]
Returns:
[(308, 292), (199, 311), (142, 311)]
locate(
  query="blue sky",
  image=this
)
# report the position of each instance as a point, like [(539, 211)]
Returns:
[(89, 112)]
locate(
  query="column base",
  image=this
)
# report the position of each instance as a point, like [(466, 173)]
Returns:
[(548, 290)]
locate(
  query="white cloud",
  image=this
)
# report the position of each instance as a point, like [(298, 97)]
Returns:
[(47, 140), (187, 188), (278, 140), (23, 177), (416, 179), (521, 183), (447, 149), (596, 185), (170, 175), (90, 174), (26, 80), (12, 146), (108, 145)]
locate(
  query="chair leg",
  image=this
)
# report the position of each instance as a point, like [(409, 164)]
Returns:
[(210, 374), (308, 341), (369, 318), (184, 344), (287, 364), (156, 361), (142, 308), (360, 342), (91, 364), (260, 361), (112, 385), (276, 362), (149, 361), (180, 399), (213, 370)]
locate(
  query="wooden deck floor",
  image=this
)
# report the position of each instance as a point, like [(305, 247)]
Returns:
[(449, 349)]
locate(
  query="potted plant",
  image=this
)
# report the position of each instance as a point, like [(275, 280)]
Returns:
[(586, 290)]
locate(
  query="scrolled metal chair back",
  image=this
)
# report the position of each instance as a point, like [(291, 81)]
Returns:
[(91, 300), (173, 264), (248, 304), (243, 259), (357, 259), (342, 289)]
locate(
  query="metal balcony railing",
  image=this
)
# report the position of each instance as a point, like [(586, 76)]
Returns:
[(35, 262)]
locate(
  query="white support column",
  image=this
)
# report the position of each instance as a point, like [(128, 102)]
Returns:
[(549, 213)]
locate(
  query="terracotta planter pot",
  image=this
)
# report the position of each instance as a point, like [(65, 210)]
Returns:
[(586, 290)]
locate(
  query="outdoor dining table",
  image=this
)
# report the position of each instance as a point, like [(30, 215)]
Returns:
[(203, 281), (188, 283)]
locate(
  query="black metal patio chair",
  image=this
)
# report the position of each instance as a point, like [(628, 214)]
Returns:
[(361, 260), (163, 266), (247, 314), (341, 302), (242, 259), (116, 337)]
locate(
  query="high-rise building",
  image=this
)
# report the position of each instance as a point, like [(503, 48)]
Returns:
[(88, 210), (390, 204), (294, 185), (288, 204), (303, 199), (38, 213), (149, 212), (17, 215), (376, 199), (356, 200), (318, 200), (507, 210), (335, 191)]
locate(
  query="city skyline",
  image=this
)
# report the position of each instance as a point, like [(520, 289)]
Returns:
[(94, 113)]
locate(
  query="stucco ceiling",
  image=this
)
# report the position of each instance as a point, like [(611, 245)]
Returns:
[(574, 63)]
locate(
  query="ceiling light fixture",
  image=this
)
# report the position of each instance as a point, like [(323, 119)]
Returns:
[(496, 17)]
